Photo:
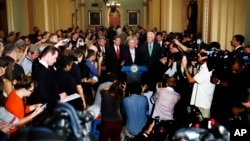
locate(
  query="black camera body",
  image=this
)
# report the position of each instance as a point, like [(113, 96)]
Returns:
[(193, 55), (157, 120), (246, 59)]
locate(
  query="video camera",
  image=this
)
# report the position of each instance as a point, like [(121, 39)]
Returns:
[(246, 59), (215, 58), (63, 125)]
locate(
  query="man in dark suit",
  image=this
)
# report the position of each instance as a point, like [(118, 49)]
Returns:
[(102, 51), (142, 37), (46, 90), (159, 40), (113, 58), (131, 54), (101, 44), (237, 42), (151, 57)]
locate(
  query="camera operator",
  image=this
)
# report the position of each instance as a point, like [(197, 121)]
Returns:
[(203, 89), (238, 85), (183, 87), (219, 59), (173, 58)]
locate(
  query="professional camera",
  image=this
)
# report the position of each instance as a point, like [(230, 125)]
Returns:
[(205, 130), (246, 59), (63, 125), (192, 55), (217, 59), (196, 46)]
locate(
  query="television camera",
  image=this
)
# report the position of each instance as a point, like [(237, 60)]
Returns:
[(64, 124)]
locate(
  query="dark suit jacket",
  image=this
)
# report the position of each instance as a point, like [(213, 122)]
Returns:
[(47, 90), (153, 64), (150, 61), (113, 63), (99, 49), (237, 52), (18, 70), (126, 56), (103, 54), (142, 39)]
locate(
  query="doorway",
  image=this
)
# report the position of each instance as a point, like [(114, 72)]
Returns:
[(114, 19), (3, 17)]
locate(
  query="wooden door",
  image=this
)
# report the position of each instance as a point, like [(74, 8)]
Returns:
[(114, 19), (3, 17)]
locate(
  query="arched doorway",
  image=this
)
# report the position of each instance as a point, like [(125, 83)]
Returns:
[(114, 18)]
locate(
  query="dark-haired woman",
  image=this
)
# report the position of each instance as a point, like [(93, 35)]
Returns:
[(16, 103), (66, 82), (111, 125)]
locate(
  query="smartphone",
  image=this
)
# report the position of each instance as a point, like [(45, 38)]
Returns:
[(157, 120), (44, 105)]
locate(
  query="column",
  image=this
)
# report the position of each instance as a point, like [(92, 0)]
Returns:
[(81, 14), (206, 14), (164, 16), (145, 14), (170, 16), (154, 14)]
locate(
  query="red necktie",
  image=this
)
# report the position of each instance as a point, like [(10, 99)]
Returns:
[(118, 52)]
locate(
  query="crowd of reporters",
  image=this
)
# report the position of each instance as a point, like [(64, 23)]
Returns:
[(182, 70)]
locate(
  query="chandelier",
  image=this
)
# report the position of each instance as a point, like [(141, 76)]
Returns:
[(113, 4)]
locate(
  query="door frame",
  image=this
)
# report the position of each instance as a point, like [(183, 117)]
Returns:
[(119, 10)]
